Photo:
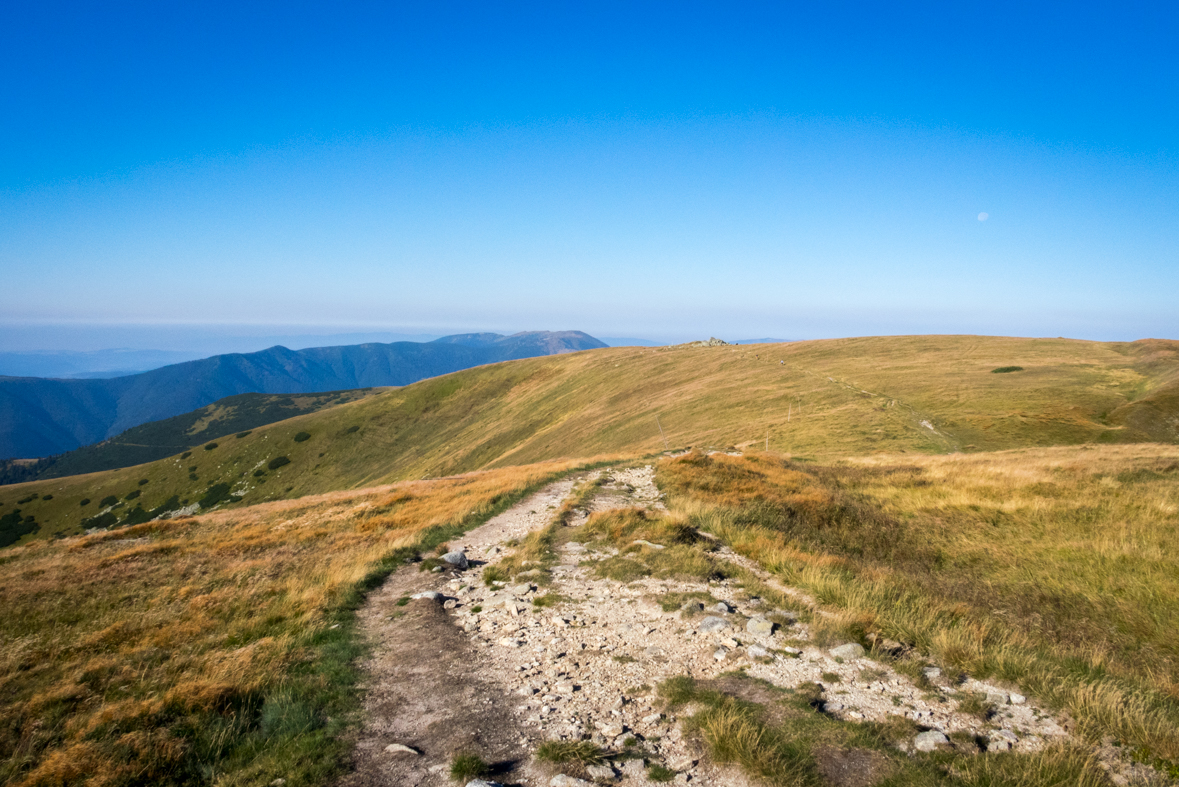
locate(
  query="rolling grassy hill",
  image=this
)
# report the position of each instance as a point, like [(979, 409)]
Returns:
[(819, 400), (40, 417), (158, 439)]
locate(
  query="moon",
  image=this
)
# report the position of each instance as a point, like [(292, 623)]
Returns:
[(983, 216)]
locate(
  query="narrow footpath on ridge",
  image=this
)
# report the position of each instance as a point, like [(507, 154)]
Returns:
[(461, 665)]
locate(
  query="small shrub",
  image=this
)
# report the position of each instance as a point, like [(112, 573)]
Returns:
[(46, 497), (352, 430), (1007, 369), (28, 499), (210, 446), (186, 454), (277, 462), (493, 574), (302, 437), (240, 435), (658, 773), (401, 602), (468, 766), (259, 473), (84, 502), (476, 609), (548, 600), (143, 481), (134, 493), (830, 677), (569, 751), (109, 500)]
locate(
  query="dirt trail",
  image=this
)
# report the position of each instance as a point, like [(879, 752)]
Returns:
[(427, 688), (489, 672)]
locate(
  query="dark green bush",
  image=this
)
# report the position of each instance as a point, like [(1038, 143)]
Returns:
[(218, 493), (352, 429), (109, 500), (85, 501), (132, 495), (259, 473), (186, 454), (1007, 369), (302, 437), (210, 446), (240, 435), (278, 462), (13, 526), (28, 499), (143, 481), (46, 497)]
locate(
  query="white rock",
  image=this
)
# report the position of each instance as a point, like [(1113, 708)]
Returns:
[(1017, 699), (601, 773), (458, 559), (931, 673), (757, 651), (561, 780), (1001, 740), (928, 741), (510, 642), (759, 626), (394, 748), (432, 595), (712, 623), (653, 718), (720, 654), (851, 650)]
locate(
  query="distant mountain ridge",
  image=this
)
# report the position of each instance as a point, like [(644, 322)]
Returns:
[(44, 416)]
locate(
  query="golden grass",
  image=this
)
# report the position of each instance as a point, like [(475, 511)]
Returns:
[(823, 399), (215, 648), (1056, 569)]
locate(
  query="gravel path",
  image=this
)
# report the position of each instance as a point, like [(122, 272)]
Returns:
[(586, 667)]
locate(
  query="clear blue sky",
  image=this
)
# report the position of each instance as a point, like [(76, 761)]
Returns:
[(627, 169)]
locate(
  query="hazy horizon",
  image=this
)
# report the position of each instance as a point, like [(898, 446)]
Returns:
[(662, 171)]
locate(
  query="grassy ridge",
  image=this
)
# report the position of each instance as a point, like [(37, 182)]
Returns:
[(210, 649), (1055, 569), (820, 399), (160, 439)]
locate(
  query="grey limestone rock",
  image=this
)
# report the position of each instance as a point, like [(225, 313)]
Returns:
[(712, 623), (759, 626), (601, 773), (928, 741), (430, 595), (561, 780), (458, 559), (1001, 740), (851, 650)]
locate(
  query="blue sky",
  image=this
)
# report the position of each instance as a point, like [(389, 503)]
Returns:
[(659, 170)]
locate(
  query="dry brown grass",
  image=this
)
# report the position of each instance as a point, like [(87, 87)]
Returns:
[(208, 648), (1056, 569)]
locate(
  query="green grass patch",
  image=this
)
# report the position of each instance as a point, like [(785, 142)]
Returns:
[(583, 752), (468, 766)]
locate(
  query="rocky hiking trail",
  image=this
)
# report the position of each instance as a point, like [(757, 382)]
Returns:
[(496, 669)]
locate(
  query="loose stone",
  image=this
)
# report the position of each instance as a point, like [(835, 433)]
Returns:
[(928, 741), (851, 650)]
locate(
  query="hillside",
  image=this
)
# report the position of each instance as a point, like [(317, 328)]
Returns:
[(159, 439), (41, 417), (817, 400)]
